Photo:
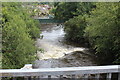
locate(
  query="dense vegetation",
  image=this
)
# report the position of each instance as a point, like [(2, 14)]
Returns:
[(96, 22), (103, 31), (65, 10), (76, 24), (68, 10), (19, 32)]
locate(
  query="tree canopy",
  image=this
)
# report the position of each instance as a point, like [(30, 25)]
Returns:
[(103, 31), (65, 10), (19, 31)]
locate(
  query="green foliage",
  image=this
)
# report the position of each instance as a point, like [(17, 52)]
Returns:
[(33, 27), (84, 8), (65, 10), (103, 31), (18, 33), (74, 28)]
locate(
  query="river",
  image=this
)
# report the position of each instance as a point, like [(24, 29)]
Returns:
[(56, 53)]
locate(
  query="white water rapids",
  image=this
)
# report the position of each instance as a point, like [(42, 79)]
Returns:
[(52, 43)]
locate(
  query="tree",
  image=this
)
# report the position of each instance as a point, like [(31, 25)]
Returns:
[(18, 33), (85, 8), (102, 31), (74, 29), (65, 10)]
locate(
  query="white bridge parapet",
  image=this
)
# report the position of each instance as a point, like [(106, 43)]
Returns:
[(61, 71)]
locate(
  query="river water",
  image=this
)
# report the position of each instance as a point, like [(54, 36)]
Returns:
[(56, 53)]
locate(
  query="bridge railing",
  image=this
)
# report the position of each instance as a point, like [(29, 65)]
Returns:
[(50, 21), (73, 71)]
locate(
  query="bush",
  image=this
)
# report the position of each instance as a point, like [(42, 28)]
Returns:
[(102, 31), (18, 33), (74, 29)]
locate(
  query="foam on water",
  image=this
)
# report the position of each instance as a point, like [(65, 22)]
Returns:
[(50, 44)]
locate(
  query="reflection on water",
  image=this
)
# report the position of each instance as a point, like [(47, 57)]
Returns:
[(53, 36)]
